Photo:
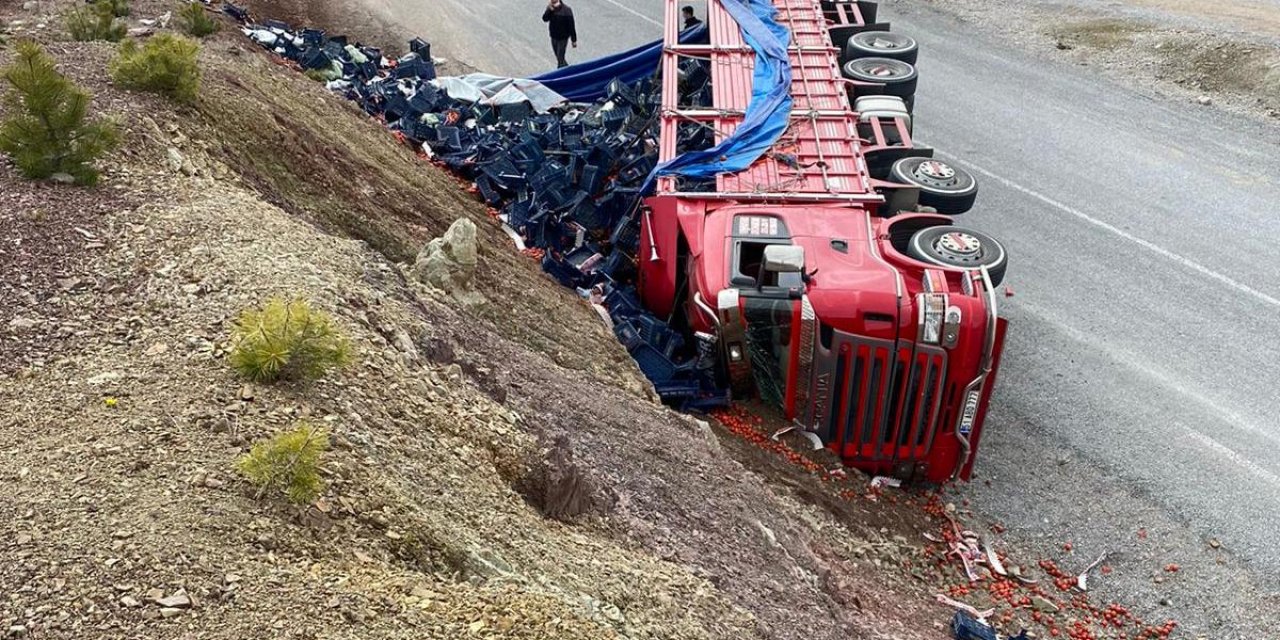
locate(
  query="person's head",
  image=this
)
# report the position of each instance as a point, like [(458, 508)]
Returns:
[(688, 12), (556, 4)]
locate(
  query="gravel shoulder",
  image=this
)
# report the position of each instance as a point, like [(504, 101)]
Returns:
[(1215, 53)]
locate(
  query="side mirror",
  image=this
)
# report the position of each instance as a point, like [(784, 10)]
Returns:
[(784, 258)]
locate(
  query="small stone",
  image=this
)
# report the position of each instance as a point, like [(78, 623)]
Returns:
[(1205, 100), (1215, 543), (157, 349), (231, 578), (1158, 579), (175, 160), (1165, 602), (178, 600), (63, 178), (246, 393), (103, 378), (30, 5), (191, 289), (170, 612), (130, 601), (155, 595), (23, 538), (214, 483), (22, 324), (17, 631), (122, 535)]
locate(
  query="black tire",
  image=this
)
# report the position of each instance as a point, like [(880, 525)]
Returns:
[(881, 44), (950, 246), (898, 77), (949, 189)]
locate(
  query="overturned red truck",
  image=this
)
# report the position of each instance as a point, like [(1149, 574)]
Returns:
[(830, 273)]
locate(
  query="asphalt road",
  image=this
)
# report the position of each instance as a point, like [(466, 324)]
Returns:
[(1140, 382)]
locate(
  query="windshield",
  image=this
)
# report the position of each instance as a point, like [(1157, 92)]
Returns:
[(769, 346)]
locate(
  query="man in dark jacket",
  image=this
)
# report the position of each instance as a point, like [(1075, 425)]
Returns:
[(559, 18), (690, 20)]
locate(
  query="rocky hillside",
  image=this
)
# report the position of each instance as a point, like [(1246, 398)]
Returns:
[(498, 467)]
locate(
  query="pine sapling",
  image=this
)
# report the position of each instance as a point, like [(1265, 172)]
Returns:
[(288, 463), (166, 64), (286, 341), (95, 22), (196, 21), (45, 131)]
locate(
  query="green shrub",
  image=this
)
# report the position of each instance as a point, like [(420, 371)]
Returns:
[(119, 8), (196, 21), (166, 64), (45, 131), (288, 463), (95, 22), (286, 340)]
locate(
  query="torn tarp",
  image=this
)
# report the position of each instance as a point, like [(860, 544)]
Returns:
[(486, 89), (767, 114)]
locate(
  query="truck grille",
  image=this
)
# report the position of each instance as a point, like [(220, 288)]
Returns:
[(882, 402)]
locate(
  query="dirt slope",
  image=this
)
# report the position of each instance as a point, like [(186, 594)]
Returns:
[(123, 420)]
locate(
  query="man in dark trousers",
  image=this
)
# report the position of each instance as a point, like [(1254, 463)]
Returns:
[(559, 18), (690, 20)]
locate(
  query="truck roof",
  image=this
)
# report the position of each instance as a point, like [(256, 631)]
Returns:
[(817, 158)]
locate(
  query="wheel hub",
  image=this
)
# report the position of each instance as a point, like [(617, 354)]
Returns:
[(935, 173), (884, 43), (880, 70), (959, 246)]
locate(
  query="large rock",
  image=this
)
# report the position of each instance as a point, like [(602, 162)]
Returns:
[(448, 263)]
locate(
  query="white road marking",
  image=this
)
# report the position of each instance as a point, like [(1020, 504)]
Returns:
[(1230, 454), (634, 12), (1094, 343), (1190, 392), (1146, 244)]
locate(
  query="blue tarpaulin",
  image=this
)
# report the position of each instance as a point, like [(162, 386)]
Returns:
[(588, 81), (770, 106)]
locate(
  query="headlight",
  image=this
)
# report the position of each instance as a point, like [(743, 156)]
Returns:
[(933, 308)]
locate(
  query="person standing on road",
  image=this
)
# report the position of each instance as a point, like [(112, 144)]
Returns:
[(559, 19), (690, 20)]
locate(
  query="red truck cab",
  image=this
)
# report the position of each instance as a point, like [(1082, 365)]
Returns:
[(829, 295)]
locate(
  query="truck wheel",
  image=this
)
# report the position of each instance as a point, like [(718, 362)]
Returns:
[(950, 246), (898, 77), (950, 190), (881, 44)]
